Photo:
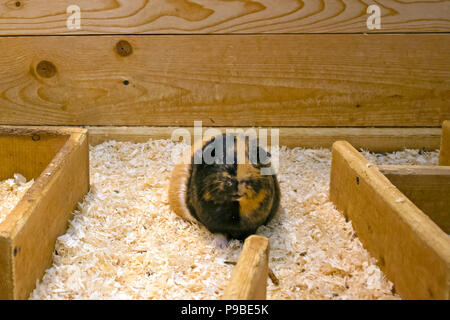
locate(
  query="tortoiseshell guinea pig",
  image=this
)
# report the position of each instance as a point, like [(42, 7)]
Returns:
[(232, 199)]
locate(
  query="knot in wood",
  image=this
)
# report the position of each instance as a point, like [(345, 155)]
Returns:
[(46, 69), (124, 48)]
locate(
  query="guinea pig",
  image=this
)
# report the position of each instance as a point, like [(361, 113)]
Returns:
[(229, 197)]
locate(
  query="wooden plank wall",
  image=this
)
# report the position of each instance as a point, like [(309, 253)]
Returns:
[(227, 63)]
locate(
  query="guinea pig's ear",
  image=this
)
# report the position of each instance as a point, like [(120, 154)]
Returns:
[(263, 158)]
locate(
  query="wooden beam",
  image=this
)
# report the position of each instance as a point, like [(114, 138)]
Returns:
[(29, 232), (386, 80), (192, 16), (249, 277), (411, 249), (444, 155), (428, 187), (373, 139)]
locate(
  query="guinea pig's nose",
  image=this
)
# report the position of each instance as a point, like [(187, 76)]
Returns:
[(242, 187), (232, 189), (236, 197)]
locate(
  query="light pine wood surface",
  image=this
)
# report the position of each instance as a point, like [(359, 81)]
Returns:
[(373, 139), (249, 277), (444, 155), (273, 80), (25, 17), (428, 187)]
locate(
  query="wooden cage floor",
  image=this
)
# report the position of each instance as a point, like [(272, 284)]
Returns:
[(124, 242)]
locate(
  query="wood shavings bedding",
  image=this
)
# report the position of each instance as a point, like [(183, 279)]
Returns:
[(125, 243), (408, 157), (11, 191)]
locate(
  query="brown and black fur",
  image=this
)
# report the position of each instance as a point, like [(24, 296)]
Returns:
[(232, 199)]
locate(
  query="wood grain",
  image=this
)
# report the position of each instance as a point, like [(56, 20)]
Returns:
[(444, 155), (282, 80), (249, 277), (26, 17), (373, 139), (29, 232), (428, 187), (411, 249)]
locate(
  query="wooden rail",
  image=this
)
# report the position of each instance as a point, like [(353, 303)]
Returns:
[(373, 139)]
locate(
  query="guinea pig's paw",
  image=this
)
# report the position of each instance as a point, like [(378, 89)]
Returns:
[(220, 241)]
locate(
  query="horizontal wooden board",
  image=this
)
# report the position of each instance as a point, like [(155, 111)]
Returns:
[(428, 187), (373, 139), (410, 248), (21, 17), (274, 80)]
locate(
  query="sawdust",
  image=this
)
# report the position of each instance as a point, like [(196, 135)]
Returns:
[(11, 191)]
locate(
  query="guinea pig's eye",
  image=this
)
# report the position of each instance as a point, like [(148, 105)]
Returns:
[(263, 159)]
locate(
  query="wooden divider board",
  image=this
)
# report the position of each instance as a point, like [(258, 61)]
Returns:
[(29, 232), (226, 80), (411, 249), (428, 187), (249, 277), (21, 17)]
